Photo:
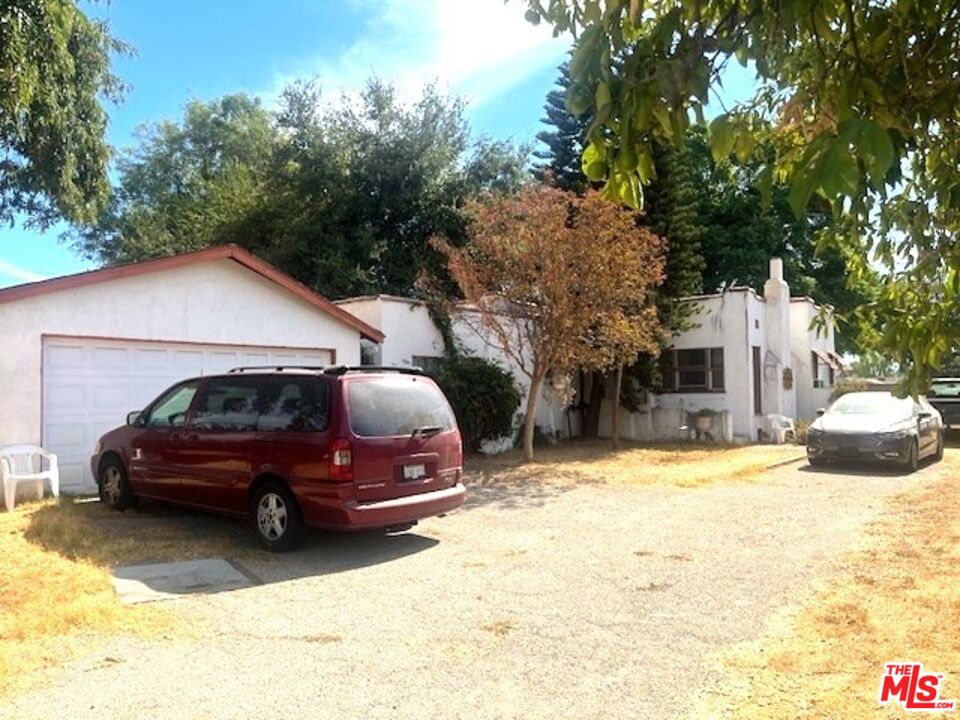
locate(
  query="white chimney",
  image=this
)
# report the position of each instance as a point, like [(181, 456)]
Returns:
[(776, 269), (776, 294)]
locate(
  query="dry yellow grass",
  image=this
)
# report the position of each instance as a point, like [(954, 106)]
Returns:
[(896, 598), (56, 598), (682, 464), (53, 607)]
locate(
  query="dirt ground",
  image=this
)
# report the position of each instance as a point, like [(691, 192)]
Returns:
[(540, 599)]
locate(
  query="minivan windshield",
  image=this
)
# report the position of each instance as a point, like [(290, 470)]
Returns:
[(403, 405), (872, 403)]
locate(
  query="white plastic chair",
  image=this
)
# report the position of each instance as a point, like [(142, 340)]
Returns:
[(781, 429), (24, 464)]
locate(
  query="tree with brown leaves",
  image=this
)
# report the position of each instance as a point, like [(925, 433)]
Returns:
[(560, 283)]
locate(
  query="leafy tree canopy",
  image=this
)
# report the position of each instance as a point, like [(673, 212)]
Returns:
[(855, 110), (54, 70), (561, 282), (343, 195)]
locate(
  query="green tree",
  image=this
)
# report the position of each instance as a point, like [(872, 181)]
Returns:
[(189, 184), (564, 139), (54, 70), (856, 97), (674, 212), (344, 196)]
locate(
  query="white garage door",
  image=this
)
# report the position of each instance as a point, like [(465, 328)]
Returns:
[(89, 386)]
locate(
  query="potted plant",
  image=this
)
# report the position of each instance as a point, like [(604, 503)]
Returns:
[(703, 419)]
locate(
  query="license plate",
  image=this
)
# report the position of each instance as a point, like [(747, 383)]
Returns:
[(414, 472), (849, 452)]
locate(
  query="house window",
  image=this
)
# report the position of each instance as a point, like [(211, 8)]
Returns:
[(428, 363), (815, 365), (698, 370)]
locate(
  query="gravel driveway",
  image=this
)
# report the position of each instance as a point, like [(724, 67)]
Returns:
[(534, 602)]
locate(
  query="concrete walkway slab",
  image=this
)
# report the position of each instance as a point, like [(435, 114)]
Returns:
[(166, 581)]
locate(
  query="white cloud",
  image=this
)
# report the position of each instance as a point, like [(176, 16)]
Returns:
[(478, 48), (19, 273)]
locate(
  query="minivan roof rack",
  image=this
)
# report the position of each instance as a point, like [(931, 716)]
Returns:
[(343, 369), (276, 368), (329, 369)]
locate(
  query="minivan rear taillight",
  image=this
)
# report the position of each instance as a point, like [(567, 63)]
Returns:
[(341, 460)]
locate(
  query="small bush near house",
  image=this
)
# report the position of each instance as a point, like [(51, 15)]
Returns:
[(484, 398), (849, 385), (800, 431)]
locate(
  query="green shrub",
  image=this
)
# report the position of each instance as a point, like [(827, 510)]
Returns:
[(849, 385), (484, 397)]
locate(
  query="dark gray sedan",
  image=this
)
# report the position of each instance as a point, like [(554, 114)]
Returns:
[(876, 426)]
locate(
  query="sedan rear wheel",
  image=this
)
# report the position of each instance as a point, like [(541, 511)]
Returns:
[(276, 518)]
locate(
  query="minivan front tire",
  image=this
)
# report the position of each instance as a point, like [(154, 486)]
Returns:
[(276, 518), (114, 485)]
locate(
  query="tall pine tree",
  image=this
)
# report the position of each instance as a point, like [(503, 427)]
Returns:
[(675, 211), (564, 141)]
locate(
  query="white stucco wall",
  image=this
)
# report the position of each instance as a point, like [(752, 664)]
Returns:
[(725, 321), (409, 330), (551, 410), (410, 333), (804, 339), (207, 302)]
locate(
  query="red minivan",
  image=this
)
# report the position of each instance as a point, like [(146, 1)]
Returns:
[(343, 448)]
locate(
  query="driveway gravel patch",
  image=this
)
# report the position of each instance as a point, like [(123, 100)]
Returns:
[(537, 601)]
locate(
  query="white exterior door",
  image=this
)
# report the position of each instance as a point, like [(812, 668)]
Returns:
[(90, 385)]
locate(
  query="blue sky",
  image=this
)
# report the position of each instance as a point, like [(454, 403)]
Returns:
[(185, 49)]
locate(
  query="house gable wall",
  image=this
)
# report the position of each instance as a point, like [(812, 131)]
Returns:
[(218, 302)]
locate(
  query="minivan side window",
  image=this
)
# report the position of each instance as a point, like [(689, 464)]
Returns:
[(170, 410), (228, 404), (295, 404)]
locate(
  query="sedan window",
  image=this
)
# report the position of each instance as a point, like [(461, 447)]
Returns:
[(872, 403)]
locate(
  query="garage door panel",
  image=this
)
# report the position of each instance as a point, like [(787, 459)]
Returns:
[(153, 361), (89, 386), (66, 396), (223, 361), (187, 362), (108, 359), (64, 357), (67, 434), (255, 359)]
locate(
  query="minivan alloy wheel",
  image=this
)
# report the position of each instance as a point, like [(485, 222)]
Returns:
[(111, 485), (272, 516)]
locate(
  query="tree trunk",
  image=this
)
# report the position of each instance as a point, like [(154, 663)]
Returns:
[(615, 419), (530, 420), (591, 417)]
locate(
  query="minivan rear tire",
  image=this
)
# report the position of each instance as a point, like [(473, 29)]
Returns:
[(276, 518)]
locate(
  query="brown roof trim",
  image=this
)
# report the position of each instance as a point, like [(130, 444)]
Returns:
[(381, 296), (221, 252)]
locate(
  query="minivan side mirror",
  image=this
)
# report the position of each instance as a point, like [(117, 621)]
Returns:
[(132, 417), (820, 411)]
